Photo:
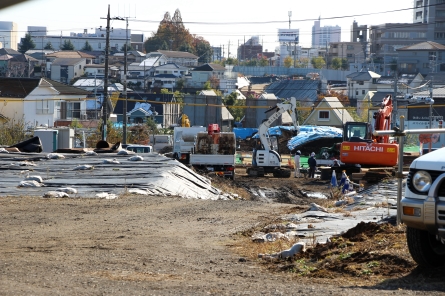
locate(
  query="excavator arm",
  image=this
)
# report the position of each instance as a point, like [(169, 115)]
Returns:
[(383, 119), (287, 106)]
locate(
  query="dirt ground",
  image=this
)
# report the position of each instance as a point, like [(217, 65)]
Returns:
[(138, 245)]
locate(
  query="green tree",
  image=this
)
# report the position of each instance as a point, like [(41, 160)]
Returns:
[(344, 64), (207, 85), (87, 46), (231, 61), (67, 45), (336, 63), (318, 62), (203, 50), (263, 62), (129, 48), (288, 62), (49, 46), (235, 105), (26, 44), (180, 83)]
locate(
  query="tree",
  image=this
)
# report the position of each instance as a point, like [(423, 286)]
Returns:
[(336, 63), (207, 85), (129, 48), (67, 45), (344, 64), (180, 83), (172, 35), (26, 44), (318, 62), (49, 46), (234, 105), (214, 82), (87, 46), (263, 62), (288, 62)]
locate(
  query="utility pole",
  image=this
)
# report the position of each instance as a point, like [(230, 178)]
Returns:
[(105, 99), (124, 109), (394, 99)]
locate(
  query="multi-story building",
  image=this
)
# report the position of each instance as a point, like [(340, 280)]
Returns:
[(432, 13), (250, 49), (322, 36), (353, 52), (8, 35)]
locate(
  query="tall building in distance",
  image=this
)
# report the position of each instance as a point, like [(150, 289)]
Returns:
[(321, 36), (431, 12), (251, 49), (8, 35)]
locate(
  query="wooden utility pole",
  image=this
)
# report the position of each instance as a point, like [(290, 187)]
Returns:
[(124, 109)]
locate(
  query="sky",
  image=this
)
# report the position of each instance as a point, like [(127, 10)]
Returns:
[(224, 23)]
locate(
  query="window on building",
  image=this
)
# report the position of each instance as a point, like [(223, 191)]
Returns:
[(363, 91), (45, 107), (350, 47), (69, 110), (360, 83), (323, 115), (426, 65), (356, 92), (419, 15), (349, 55)]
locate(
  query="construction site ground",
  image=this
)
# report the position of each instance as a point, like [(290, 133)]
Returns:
[(166, 245)]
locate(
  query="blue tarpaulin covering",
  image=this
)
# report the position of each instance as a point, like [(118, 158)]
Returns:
[(309, 133)]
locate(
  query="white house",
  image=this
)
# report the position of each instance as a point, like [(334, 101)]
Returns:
[(41, 101)]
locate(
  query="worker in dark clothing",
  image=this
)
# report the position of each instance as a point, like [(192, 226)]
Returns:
[(312, 165)]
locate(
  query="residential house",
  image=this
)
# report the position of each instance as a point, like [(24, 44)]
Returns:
[(359, 83), (166, 75), (16, 64), (41, 101), (425, 57), (66, 69), (67, 54), (98, 71), (133, 56), (329, 112), (207, 72), (181, 58)]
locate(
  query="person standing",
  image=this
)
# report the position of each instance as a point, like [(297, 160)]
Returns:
[(297, 164), (312, 165)]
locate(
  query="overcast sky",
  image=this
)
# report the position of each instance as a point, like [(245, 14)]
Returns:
[(222, 23)]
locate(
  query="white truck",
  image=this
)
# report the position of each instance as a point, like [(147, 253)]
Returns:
[(160, 141), (423, 209), (184, 142), (215, 151)]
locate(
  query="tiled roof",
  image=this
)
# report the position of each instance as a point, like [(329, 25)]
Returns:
[(178, 54), (67, 61), (300, 89), (427, 45), (210, 67), (363, 76), (17, 87), (9, 51), (70, 54)]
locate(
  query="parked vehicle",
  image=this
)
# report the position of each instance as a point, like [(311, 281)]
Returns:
[(215, 151), (184, 142), (423, 209)]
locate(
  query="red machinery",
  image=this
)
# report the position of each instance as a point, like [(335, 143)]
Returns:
[(360, 146)]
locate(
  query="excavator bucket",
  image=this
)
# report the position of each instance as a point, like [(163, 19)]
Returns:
[(369, 153)]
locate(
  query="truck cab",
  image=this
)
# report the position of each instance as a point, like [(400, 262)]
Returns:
[(423, 209)]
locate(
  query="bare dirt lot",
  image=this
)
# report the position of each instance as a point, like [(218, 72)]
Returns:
[(139, 245)]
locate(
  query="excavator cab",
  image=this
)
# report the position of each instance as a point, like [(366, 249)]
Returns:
[(357, 132)]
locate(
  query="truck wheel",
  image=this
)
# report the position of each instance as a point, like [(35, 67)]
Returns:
[(424, 248)]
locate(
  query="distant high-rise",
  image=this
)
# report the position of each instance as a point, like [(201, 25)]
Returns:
[(321, 36), (431, 12), (8, 35)]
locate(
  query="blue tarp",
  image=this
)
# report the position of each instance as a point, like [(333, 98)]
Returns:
[(309, 133), (276, 130), (244, 133)]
